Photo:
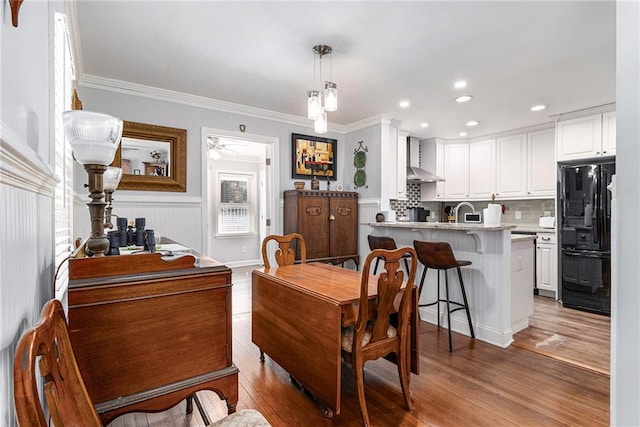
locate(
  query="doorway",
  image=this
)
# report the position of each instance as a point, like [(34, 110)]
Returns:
[(240, 183)]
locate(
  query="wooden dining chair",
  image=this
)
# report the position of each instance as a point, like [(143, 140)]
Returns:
[(46, 347), (285, 253), (374, 334)]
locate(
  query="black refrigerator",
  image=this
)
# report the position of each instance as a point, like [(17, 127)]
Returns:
[(585, 235)]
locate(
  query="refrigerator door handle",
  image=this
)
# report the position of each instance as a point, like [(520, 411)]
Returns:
[(597, 205)]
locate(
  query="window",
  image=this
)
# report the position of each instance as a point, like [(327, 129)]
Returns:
[(63, 163), (236, 204)]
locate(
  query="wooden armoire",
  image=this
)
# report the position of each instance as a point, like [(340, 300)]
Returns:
[(328, 221)]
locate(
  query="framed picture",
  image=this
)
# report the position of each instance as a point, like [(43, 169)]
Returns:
[(313, 156)]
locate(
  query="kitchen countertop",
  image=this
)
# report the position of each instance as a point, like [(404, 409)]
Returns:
[(521, 237), (531, 228), (442, 226)]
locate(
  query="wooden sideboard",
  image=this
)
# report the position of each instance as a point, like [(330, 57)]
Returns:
[(148, 333), (328, 221)]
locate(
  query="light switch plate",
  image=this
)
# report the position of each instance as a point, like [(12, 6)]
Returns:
[(518, 214)]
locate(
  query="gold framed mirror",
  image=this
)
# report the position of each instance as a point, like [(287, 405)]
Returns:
[(152, 158)]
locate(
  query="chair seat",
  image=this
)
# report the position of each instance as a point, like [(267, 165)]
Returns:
[(347, 336), (463, 263), (243, 418)]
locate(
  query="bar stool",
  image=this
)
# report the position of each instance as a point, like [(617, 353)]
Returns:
[(439, 256), (384, 242)]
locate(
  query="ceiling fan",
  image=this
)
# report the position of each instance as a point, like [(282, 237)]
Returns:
[(216, 146)]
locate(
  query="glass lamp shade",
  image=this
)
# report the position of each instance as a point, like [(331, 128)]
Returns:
[(94, 137), (320, 124), (111, 178), (313, 104), (330, 96)]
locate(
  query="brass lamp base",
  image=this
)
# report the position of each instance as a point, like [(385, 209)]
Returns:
[(97, 242)]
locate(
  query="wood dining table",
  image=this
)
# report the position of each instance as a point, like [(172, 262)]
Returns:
[(298, 313)]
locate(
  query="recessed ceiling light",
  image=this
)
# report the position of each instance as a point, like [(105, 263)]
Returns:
[(404, 103), (464, 98), (460, 84), (463, 134), (473, 123), (424, 125), (539, 107)]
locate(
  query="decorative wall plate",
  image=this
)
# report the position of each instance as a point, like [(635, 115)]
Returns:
[(360, 178), (360, 159)]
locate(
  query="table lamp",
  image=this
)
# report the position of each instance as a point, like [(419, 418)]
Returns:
[(94, 138), (111, 179)]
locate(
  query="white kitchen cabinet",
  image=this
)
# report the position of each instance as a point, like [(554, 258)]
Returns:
[(541, 166), (522, 283), (511, 166), (401, 166), (586, 137), (547, 264), (609, 133), (456, 171), (482, 169)]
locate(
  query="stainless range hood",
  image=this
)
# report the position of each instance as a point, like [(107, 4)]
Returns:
[(415, 173)]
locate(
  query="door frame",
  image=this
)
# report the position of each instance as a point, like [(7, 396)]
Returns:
[(272, 182)]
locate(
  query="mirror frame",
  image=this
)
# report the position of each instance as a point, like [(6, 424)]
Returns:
[(177, 138)]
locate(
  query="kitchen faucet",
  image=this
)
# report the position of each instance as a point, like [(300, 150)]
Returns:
[(463, 204)]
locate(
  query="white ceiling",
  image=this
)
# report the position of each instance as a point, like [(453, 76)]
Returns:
[(258, 54)]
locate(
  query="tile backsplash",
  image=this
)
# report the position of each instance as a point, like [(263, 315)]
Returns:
[(530, 210)]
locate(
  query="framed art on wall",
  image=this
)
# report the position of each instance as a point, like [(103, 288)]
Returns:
[(313, 156)]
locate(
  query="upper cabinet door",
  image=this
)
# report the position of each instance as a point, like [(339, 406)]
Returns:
[(609, 134), (540, 163), (579, 138), (456, 171), (482, 169), (401, 165), (511, 168)]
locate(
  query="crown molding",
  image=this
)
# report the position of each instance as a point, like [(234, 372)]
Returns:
[(605, 108), (378, 119), (135, 89)]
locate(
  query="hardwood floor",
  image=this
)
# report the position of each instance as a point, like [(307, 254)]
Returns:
[(478, 384), (573, 336)]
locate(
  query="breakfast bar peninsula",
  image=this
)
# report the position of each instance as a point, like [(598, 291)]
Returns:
[(487, 280)]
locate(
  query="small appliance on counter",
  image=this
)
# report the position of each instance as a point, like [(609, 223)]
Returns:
[(492, 214), (473, 217), (389, 216), (547, 222)]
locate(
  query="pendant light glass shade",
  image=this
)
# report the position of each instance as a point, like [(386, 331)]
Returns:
[(320, 124), (313, 104), (111, 178), (94, 137), (330, 96)]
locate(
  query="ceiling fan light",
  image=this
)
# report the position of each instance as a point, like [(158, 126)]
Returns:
[(313, 104), (330, 96), (320, 124)]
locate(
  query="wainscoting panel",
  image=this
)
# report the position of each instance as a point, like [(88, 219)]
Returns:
[(26, 251), (179, 220), (368, 208)]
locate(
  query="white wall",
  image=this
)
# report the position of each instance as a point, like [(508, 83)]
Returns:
[(625, 348), (193, 118), (26, 181)]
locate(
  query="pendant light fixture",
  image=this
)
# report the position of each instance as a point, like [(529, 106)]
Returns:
[(317, 105)]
